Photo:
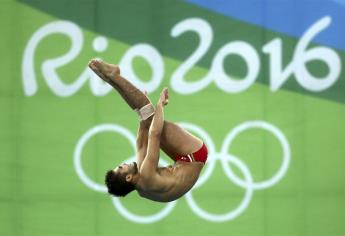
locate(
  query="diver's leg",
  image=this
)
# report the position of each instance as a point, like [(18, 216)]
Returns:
[(135, 98), (174, 139)]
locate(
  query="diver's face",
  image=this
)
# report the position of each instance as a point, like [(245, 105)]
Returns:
[(125, 168)]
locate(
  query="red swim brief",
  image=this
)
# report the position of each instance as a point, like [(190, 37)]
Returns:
[(200, 156)]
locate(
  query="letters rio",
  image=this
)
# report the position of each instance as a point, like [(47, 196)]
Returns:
[(278, 74)]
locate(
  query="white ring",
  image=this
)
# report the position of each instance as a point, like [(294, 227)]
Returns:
[(82, 141), (237, 211), (277, 133)]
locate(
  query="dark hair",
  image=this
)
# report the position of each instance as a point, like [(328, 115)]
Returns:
[(117, 184)]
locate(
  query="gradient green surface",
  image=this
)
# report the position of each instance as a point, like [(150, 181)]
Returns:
[(40, 191)]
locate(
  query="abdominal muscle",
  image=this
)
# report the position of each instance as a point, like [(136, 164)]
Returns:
[(182, 175)]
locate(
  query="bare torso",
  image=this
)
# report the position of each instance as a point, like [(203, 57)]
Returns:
[(179, 179)]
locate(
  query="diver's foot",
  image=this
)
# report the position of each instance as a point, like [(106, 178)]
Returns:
[(107, 72)]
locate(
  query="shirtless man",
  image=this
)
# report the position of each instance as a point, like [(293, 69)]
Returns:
[(162, 184)]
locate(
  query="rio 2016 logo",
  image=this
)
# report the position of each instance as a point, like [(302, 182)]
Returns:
[(216, 73), (278, 75), (224, 156)]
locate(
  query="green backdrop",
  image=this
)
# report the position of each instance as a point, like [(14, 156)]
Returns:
[(270, 106)]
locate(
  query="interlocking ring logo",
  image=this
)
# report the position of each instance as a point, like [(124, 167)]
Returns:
[(223, 156)]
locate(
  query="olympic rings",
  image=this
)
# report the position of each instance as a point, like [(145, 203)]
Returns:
[(248, 184)]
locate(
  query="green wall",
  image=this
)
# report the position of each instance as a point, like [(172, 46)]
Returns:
[(274, 124)]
